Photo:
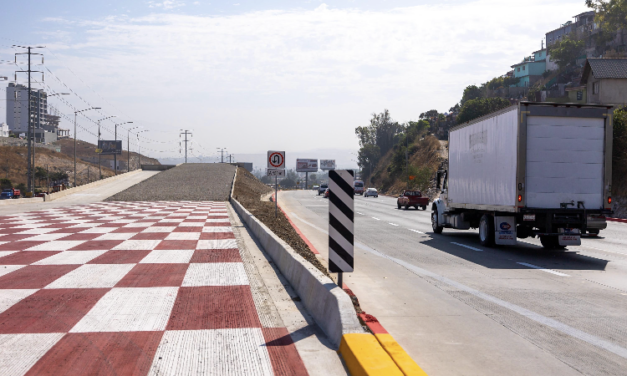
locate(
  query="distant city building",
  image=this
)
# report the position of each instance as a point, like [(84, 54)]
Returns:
[(44, 124), (605, 81), (4, 130)]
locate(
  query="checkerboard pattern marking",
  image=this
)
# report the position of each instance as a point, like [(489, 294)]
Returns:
[(131, 289)]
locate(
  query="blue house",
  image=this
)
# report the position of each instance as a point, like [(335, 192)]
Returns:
[(530, 69)]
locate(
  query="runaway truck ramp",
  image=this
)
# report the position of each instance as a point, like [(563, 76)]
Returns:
[(186, 182)]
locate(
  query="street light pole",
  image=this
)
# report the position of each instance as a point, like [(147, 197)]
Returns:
[(139, 145), (115, 155), (75, 113), (98, 147), (128, 149)]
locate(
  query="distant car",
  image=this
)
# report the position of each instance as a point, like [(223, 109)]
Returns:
[(371, 192), (322, 189), (596, 223), (358, 185), (315, 187), (326, 193)]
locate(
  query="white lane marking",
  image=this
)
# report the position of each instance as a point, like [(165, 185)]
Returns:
[(420, 232), (543, 269), (531, 315), (393, 224), (467, 246), (375, 218), (359, 213)]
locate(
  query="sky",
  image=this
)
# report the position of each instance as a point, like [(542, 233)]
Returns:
[(252, 76)]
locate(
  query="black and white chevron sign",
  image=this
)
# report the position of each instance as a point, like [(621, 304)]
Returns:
[(341, 221)]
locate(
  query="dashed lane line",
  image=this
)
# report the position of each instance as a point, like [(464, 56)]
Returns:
[(411, 229), (393, 224), (543, 269), (359, 213), (375, 218), (467, 246)]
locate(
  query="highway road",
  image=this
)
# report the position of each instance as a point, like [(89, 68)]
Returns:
[(459, 308)]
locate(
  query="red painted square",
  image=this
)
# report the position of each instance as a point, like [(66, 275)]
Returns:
[(154, 275), (68, 230), (97, 245), (121, 353), (219, 224), (34, 276), (200, 221), (215, 255), (26, 257), (49, 311), (120, 257), (213, 307), (83, 236), (150, 236), (15, 237), (19, 246), (129, 230), (110, 224), (177, 244), (283, 354), (188, 229), (59, 225), (216, 235)]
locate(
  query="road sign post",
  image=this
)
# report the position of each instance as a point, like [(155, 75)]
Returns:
[(341, 222), (276, 168)]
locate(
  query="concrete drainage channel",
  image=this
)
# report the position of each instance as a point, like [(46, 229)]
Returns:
[(332, 309)]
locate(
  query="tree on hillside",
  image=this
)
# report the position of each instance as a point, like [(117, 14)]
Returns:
[(475, 108), (471, 92), (40, 174), (379, 135), (619, 151), (611, 15), (5, 184), (566, 51)]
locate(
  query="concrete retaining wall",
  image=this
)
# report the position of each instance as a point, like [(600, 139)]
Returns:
[(80, 188), (330, 306), (18, 201)]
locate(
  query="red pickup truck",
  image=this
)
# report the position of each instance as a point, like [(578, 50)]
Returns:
[(412, 198)]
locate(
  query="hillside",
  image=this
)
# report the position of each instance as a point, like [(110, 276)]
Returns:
[(87, 152)]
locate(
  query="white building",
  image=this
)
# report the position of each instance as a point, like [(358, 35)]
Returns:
[(4, 130), (17, 109)]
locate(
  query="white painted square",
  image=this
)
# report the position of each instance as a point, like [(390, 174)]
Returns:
[(6, 269), (217, 244), (130, 310), (217, 215), (37, 231), (31, 225), (197, 217), (139, 224), (70, 258), (171, 220), (46, 237), (87, 225), (5, 253), (216, 274), (217, 229), (159, 256), (191, 224), (99, 230), (230, 352), (217, 220), (60, 245), (130, 245), (117, 236), (92, 276), (183, 236), (10, 297), (19, 352), (160, 229), (124, 221)]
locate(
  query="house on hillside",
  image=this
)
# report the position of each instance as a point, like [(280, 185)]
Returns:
[(4, 130), (530, 70), (583, 26), (605, 81)]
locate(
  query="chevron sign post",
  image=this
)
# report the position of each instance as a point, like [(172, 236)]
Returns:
[(341, 222)]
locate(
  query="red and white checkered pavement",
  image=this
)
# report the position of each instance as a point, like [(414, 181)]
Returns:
[(135, 288)]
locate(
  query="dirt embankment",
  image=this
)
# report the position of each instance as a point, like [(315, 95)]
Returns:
[(248, 191)]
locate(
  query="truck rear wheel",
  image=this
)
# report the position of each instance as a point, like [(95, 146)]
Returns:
[(434, 222), (424, 207), (486, 230), (399, 205)]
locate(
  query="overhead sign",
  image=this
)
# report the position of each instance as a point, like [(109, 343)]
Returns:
[(306, 165), (110, 147), (276, 159), (341, 221), (327, 164), (275, 172)]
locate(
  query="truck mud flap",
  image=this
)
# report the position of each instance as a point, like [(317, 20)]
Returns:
[(566, 240), (505, 230)]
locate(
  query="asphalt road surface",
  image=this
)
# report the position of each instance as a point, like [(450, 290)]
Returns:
[(459, 308)]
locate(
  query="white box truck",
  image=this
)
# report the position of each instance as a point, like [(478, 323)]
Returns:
[(532, 169)]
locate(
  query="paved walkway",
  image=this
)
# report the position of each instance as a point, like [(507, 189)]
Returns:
[(133, 288)]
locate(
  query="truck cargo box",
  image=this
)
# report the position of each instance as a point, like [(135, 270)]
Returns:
[(532, 155)]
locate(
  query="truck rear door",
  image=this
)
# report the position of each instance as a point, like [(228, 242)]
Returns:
[(565, 161)]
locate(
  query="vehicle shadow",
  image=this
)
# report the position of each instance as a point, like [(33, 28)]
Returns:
[(509, 257)]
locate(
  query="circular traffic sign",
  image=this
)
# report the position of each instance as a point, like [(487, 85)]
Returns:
[(276, 160)]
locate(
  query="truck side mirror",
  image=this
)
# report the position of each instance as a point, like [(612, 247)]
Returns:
[(438, 176)]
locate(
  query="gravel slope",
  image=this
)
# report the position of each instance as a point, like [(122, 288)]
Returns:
[(187, 182)]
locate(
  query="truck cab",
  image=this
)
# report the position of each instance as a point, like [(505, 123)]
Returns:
[(358, 186), (412, 198), (9, 193)]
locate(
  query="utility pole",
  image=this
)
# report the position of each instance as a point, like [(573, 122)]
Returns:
[(186, 132), (30, 164), (115, 155), (222, 150), (139, 146), (128, 149), (98, 147), (75, 113)]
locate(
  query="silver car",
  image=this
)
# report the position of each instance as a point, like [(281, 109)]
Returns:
[(371, 192)]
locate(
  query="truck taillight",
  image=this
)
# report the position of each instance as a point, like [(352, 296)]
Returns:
[(609, 200), (519, 198)]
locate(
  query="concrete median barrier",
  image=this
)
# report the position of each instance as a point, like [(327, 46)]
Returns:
[(80, 188)]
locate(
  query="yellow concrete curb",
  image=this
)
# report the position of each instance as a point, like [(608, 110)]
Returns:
[(406, 364), (364, 356)]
